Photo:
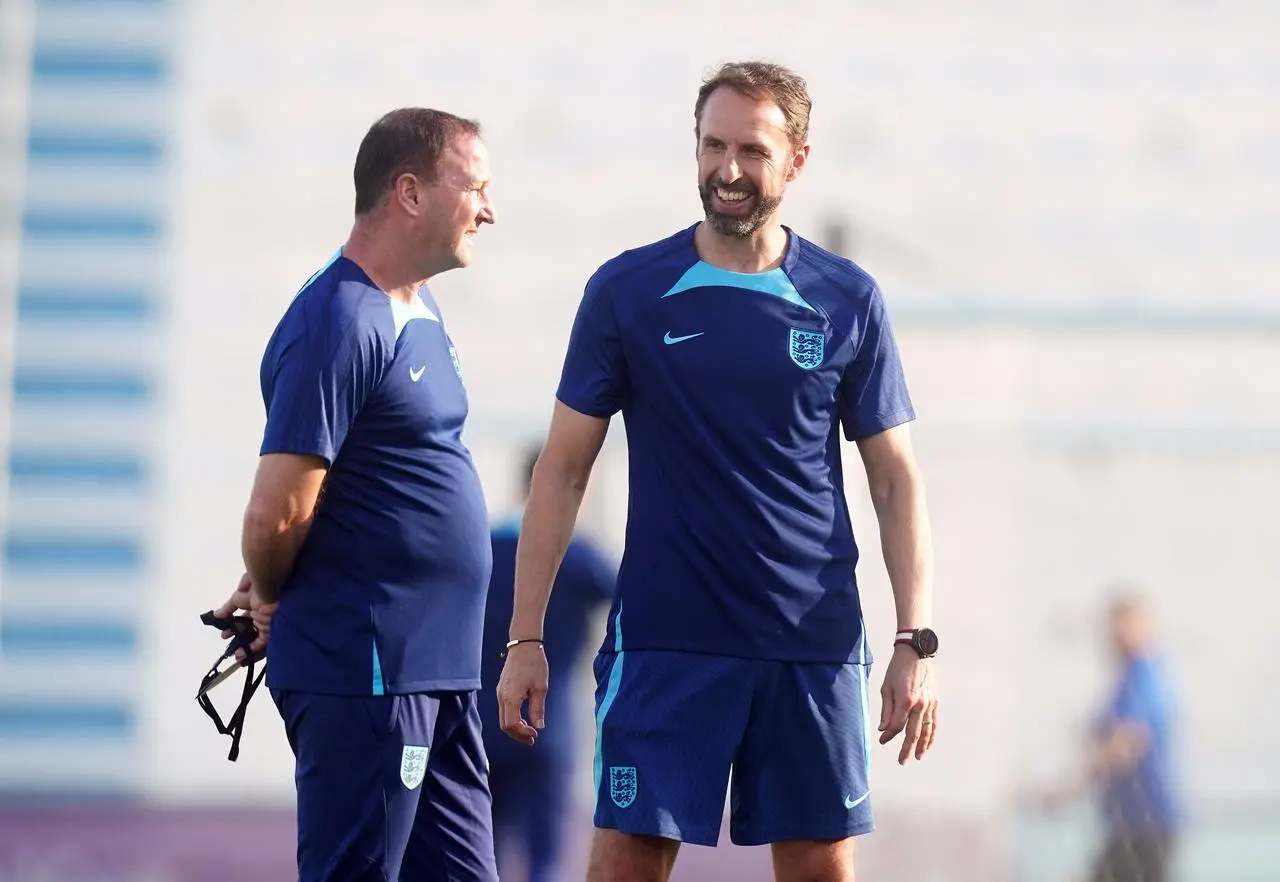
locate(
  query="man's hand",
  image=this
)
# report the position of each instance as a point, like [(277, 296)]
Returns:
[(524, 676), (909, 703), (246, 599)]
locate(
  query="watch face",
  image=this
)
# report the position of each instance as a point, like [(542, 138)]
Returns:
[(927, 641)]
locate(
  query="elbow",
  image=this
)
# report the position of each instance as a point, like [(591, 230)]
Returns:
[(262, 526), (577, 480), (881, 491), (257, 530), (562, 475), (895, 486)]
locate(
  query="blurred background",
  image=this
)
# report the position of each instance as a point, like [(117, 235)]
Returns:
[(1073, 209)]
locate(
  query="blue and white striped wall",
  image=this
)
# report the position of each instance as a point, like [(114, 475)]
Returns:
[(87, 355)]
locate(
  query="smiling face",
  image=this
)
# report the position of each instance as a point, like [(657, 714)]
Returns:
[(746, 158), (460, 202), (422, 177)]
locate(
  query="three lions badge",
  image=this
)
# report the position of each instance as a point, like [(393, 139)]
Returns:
[(622, 785), (807, 348), (413, 765)]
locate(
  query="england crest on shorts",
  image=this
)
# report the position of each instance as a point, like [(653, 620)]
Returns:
[(622, 785), (807, 348), (413, 765)]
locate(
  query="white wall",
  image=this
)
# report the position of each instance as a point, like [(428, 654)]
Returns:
[(89, 218), (1035, 185), (931, 134)]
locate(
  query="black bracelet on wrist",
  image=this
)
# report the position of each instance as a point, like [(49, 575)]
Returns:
[(511, 643)]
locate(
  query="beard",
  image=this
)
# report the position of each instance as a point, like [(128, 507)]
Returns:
[(739, 226)]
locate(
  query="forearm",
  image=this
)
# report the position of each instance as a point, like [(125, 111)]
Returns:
[(551, 511), (270, 548), (907, 545)]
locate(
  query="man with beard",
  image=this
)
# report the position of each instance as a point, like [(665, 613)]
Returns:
[(736, 351)]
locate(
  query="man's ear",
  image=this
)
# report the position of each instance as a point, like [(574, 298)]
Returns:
[(408, 193), (798, 160)]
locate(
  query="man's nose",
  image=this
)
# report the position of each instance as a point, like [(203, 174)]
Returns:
[(730, 171)]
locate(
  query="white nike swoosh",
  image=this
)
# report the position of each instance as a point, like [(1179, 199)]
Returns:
[(416, 375), (854, 803)]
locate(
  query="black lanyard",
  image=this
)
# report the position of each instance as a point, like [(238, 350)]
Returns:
[(244, 632)]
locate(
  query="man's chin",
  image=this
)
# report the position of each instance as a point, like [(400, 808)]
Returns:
[(462, 255), (733, 226)]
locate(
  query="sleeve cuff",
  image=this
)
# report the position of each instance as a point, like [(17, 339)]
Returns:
[(882, 423)]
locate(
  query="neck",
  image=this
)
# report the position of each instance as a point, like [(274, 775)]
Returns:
[(1132, 653), (763, 250), (370, 247)]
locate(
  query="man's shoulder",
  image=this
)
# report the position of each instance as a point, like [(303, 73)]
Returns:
[(582, 550), (820, 270), (639, 267), (339, 301)]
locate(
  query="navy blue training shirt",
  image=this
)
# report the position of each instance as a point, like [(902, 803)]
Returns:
[(388, 592), (733, 388), (584, 584)]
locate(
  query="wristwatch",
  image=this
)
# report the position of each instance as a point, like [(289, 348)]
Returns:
[(923, 640)]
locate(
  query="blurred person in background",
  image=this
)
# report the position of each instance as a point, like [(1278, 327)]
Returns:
[(1130, 759), (369, 597), (736, 351), (533, 790)]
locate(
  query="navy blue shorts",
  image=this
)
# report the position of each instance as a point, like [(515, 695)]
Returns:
[(390, 786), (671, 726)]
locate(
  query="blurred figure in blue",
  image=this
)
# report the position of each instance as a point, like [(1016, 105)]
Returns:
[(1130, 761), (532, 787)]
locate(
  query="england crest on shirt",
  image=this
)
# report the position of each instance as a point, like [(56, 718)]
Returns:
[(808, 348)]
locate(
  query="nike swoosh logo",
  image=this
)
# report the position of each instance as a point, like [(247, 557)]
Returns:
[(668, 339), (416, 375), (854, 803)]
